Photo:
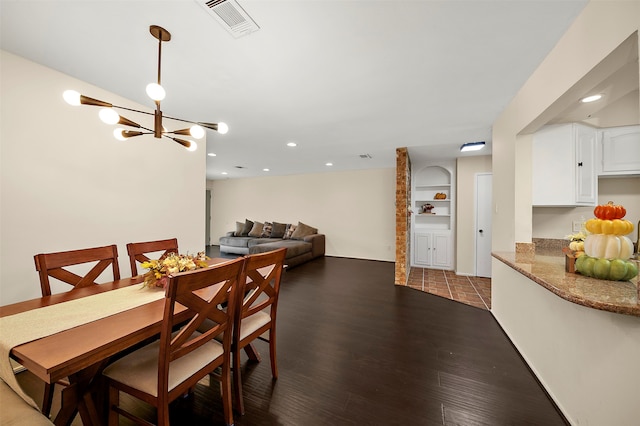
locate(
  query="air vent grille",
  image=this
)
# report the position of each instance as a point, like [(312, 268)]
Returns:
[(231, 16), (367, 156)]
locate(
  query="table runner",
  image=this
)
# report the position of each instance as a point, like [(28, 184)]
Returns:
[(35, 324)]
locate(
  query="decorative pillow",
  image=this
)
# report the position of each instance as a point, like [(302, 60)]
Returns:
[(266, 230), (239, 228), (287, 233), (256, 230), (302, 231), (278, 230), (247, 227)]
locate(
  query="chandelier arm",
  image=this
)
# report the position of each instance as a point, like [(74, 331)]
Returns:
[(186, 144), (131, 109)]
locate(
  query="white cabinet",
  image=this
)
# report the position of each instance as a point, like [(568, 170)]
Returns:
[(433, 250), (619, 151), (564, 166), (433, 228)]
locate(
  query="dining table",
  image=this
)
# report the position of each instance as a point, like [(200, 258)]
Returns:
[(81, 347)]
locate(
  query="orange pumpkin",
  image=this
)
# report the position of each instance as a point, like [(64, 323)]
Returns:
[(609, 211)]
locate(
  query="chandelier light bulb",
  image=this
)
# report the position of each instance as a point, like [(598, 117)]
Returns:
[(222, 128), (71, 97), (196, 131), (117, 133), (156, 92), (109, 116), (193, 146)]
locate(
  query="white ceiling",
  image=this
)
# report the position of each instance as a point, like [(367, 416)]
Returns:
[(340, 78)]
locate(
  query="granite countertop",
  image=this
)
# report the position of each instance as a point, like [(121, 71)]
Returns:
[(547, 268)]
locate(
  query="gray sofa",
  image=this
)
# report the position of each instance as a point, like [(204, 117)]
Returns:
[(302, 241)]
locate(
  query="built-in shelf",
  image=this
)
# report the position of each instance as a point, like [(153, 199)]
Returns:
[(432, 233)]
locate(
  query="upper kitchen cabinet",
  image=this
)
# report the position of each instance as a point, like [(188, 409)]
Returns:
[(564, 166), (619, 151)]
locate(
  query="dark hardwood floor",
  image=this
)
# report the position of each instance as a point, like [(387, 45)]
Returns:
[(353, 349)]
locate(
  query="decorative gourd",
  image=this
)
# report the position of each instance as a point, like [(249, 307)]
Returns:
[(608, 246), (609, 226), (605, 269), (607, 249), (609, 211)]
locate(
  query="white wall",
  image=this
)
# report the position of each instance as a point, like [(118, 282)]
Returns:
[(355, 210), (556, 222), (68, 184), (587, 359), (467, 168), (585, 385)]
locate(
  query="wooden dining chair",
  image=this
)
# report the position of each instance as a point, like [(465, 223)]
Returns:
[(54, 264), (172, 366), (138, 251), (256, 313)]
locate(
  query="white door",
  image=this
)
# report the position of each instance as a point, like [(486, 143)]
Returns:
[(483, 224)]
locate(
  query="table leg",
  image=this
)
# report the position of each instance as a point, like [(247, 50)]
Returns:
[(77, 398), (252, 353)]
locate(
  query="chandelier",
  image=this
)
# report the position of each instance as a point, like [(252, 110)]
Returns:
[(157, 93)]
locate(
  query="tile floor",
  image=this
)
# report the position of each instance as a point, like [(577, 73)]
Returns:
[(474, 291)]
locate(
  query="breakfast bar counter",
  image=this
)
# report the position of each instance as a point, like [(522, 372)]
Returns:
[(547, 268)]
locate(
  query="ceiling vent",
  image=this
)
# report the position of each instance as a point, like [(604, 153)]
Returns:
[(365, 156), (231, 16)]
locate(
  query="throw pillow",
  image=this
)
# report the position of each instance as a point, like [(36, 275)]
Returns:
[(278, 230), (302, 231), (239, 228), (290, 228), (256, 230), (266, 230), (247, 227)]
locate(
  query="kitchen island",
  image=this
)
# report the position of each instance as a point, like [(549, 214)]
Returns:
[(547, 268), (580, 336)]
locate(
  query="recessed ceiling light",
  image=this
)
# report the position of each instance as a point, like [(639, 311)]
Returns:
[(292, 144), (224, 173), (211, 154), (592, 98), (265, 170), (329, 164), (472, 146)]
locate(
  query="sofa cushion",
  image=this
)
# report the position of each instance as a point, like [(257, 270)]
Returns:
[(290, 228), (266, 230), (303, 230), (248, 224), (294, 247), (278, 230), (235, 241), (239, 228), (256, 230)]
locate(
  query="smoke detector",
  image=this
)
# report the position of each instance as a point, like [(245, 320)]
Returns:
[(231, 16)]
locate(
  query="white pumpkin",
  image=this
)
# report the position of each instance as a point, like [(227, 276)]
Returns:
[(608, 246)]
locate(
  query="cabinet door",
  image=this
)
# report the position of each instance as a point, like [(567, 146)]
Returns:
[(620, 151), (422, 249), (552, 171), (440, 251), (585, 165)]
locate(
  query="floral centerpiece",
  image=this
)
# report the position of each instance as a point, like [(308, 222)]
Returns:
[(172, 263)]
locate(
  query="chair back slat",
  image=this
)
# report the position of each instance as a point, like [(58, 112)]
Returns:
[(54, 264), (202, 292), (263, 273), (138, 251)]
